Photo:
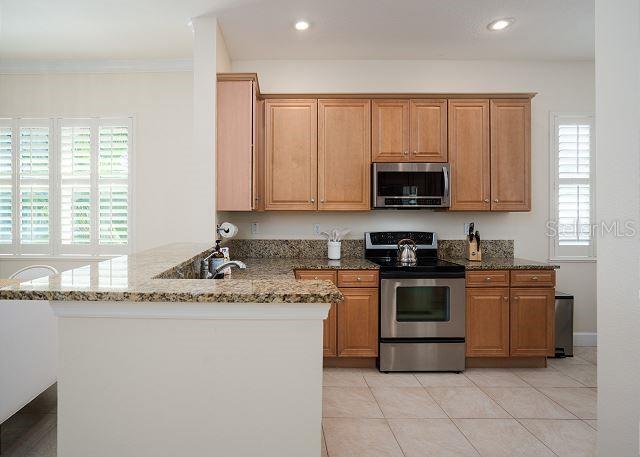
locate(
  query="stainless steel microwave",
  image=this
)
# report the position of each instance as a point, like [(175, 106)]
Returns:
[(411, 185)]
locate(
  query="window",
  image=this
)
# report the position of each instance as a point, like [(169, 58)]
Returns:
[(572, 176), (65, 186)]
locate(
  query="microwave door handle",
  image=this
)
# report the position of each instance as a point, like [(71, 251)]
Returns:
[(445, 171)]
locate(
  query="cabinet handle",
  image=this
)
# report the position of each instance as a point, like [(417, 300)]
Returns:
[(406, 153), (506, 298), (488, 278), (486, 200), (415, 153), (495, 200), (313, 200), (322, 200), (534, 278), (358, 278)]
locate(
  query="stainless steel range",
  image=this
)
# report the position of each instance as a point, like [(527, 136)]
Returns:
[(422, 304)]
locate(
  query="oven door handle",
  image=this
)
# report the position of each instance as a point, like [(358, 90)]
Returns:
[(445, 172)]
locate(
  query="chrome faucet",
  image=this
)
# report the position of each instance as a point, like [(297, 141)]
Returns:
[(205, 267)]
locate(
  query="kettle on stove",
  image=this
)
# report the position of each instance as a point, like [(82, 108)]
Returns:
[(407, 252)]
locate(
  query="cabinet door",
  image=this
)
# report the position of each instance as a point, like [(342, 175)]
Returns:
[(390, 130), (510, 155), (469, 155), (258, 151), (532, 322), (291, 155), (344, 154), (428, 131), (330, 325), (487, 322), (234, 145), (358, 323)]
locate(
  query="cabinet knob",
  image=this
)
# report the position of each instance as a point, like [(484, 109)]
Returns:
[(406, 152), (495, 200), (486, 200), (313, 200), (488, 278), (516, 298), (534, 278), (358, 278), (315, 277), (506, 298), (415, 153), (322, 200)]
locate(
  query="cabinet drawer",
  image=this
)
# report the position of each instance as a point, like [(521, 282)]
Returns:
[(322, 275), (533, 278), (358, 278), (488, 278)]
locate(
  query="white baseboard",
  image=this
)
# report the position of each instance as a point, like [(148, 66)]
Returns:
[(585, 339)]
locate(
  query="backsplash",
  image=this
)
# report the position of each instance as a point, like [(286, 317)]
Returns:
[(351, 249), (293, 249), (490, 248)]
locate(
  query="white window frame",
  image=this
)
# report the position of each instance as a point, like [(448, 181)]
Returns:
[(570, 253), (55, 249)]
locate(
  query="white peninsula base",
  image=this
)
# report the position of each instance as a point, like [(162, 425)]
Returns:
[(140, 379)]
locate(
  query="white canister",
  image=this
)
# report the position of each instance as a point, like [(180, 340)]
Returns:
[(334, 250)]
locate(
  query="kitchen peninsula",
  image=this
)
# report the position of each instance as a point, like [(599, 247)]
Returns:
[(153, 364)]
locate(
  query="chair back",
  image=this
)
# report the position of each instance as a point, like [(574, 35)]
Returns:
[(33, 272)]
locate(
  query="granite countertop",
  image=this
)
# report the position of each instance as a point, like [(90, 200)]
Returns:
[(167, 273), (501, 263)]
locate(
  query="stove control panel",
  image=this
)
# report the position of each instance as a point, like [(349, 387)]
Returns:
[(382, 240)]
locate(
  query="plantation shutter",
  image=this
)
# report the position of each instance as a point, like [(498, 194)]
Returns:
[(573, 187), (33, 185)]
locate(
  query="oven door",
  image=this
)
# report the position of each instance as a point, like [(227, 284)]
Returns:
[(411, 185), (422, 308)]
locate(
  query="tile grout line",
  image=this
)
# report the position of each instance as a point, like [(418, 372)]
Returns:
[(452, 420), (387, 420), (532, 434)]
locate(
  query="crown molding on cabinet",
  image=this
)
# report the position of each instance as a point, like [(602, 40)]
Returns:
[(95, 66), (436, 95)]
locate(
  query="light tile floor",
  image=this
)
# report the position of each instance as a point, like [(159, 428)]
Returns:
[(483, 412)]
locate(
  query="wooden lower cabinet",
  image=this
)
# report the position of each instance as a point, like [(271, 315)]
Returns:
[(514, 321), (487, 322), (532, 322), (330, 333), (351, 328), (358, 323)]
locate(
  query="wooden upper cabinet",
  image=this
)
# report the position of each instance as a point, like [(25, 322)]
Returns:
[(469, 155), (344, 154), (358, 323), (487, 322), (291, 155), (428, 131), (236, 184), (390, 130), (511, 155), (532, 321)]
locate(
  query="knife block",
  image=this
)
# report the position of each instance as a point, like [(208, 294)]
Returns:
[(473, 251)]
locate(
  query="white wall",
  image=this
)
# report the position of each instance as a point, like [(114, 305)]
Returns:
[(168, 204), (566, 87), (618, 197)]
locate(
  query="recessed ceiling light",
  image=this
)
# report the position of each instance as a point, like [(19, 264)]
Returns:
[(500, 24), (302, 25)]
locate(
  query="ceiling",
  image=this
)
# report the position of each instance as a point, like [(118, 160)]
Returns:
[(263, 29)]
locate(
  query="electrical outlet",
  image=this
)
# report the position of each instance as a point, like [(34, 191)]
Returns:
[(316, 229), (255, 228)]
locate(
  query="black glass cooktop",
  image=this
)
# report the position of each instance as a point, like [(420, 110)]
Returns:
[(423, 265)]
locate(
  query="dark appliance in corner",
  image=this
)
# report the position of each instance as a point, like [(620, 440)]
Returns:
[(422, 305)]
